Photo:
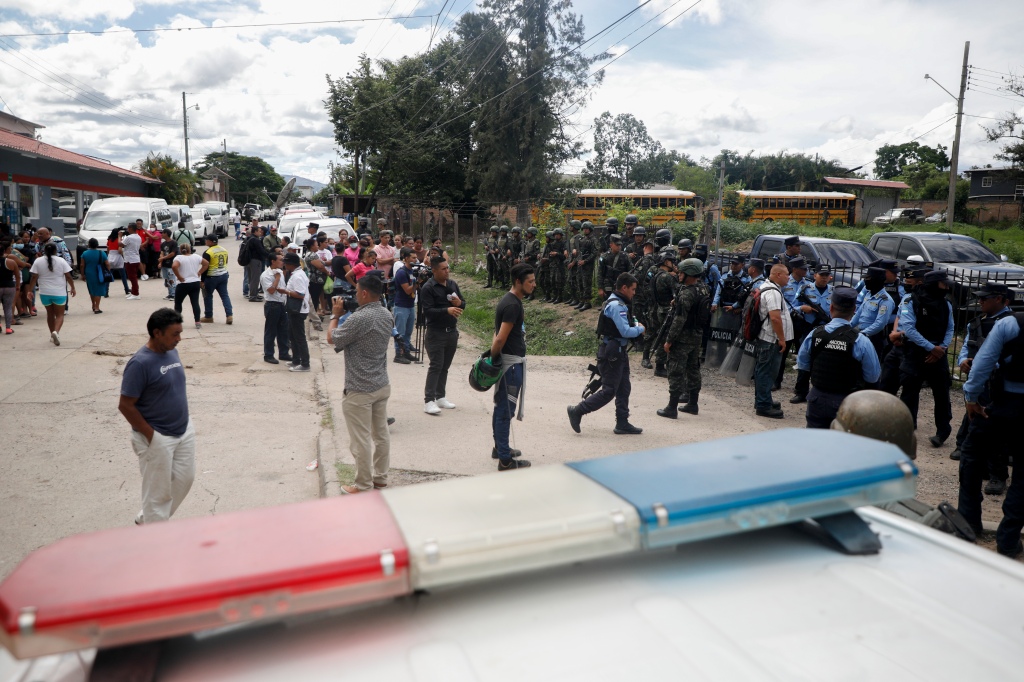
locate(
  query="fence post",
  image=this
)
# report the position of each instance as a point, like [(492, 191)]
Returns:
[(456, 218), (474, 238), (440, 226)]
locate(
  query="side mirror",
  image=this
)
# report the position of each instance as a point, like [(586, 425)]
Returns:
[(1003, 257)]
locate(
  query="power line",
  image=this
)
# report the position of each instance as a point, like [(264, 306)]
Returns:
[(997, 73), (275, 24)]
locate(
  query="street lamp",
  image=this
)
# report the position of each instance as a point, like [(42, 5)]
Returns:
[(954, 156), (184, 116)]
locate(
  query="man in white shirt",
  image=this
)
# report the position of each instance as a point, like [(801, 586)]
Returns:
[(297, 288), (130, 248), (776, 331), (275, 320)]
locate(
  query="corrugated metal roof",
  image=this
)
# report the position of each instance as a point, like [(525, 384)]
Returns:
[(24, 145), (860, 182)]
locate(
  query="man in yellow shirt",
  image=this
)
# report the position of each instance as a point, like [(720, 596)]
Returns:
[(215, 279)]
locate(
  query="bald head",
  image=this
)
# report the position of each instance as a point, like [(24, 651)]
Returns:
[(43, 233), (779, 274)]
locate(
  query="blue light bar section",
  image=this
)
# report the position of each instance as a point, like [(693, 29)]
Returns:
[(691, 492)]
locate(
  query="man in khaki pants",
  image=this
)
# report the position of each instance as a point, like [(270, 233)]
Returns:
[(364, 337)]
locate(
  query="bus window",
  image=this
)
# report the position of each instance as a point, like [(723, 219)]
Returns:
[(663, 202), (589, 202), (645, 202), (831, 203), (757, 203), (671, 202), (803, 203), (581, 202), (817, 203), (771, 203), (789, 203)]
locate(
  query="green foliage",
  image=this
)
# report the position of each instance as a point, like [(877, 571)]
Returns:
[(781, 171), (251, 174), (626, 156), (179, 185), (736, 206), (892, 160), (645, 216), (550, 217), (697, 179)]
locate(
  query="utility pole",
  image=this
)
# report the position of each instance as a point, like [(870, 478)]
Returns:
[(184, 119), (956, 142), (718, 223)]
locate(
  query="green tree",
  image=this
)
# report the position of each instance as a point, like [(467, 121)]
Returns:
[(179, 185), (626, 156), (252, 175), (781, 171), (698, 179), (736, 206), (892, 160)]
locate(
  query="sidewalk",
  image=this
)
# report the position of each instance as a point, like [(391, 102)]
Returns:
[(68, 466)]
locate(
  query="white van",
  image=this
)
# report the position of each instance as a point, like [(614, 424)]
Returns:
[(219, 212), (181, 212), (106, 214)]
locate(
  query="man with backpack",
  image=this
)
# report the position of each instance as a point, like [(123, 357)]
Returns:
[(253, 254), (692, 312), (183, 235), (768, 315)]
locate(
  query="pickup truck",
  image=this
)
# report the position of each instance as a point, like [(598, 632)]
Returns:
[(968, 262), (848, 258)]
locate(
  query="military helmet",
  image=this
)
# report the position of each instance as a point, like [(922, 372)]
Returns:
[(587, 225), (878, 415), (494, 228), (503, 228), (685, 244), (531, 231), (574, 224), (517, 230), (484, 373), (631, 219), (614, 239), (557, 231), (638, 230), (662, 237), (651, 244), (667, 255), (692, 266), (612, 223)]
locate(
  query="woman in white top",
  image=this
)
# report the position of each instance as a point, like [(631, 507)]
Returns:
[(188, 267), (53, 275)]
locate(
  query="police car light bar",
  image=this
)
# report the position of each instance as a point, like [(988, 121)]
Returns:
[(755, 481), (131, 585)]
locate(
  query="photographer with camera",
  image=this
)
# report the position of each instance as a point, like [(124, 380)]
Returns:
[(364, 338), (405, 305), (442, 305)]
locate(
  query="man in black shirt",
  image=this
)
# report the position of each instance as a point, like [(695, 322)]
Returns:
[(442, 307), (257, 254), (509, 344)]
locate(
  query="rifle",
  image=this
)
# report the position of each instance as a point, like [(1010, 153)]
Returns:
[(819, 312), (659, 340)]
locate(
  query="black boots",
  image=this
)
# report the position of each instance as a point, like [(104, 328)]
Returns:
[(574, 417), (646, 362), (670, 411), (584, 306), (659, 370), (691, 404), (625, 428)]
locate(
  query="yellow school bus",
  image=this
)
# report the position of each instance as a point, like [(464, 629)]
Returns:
[(816, 208), (591, 204)]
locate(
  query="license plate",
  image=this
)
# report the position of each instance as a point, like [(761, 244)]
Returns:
[(1018, 295)]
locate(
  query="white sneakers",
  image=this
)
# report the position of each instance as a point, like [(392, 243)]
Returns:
[(444, 403), (144, 278), (55, 338), (431, 408), (132, 297)]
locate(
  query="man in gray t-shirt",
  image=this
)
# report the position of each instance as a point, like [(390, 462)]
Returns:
[(154, 403)]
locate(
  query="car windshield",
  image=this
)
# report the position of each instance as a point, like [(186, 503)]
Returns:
[(845, 254), (896, 212), (105, 221), (958, 251)]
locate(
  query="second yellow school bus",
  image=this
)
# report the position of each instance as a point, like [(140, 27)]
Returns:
[(821, 208), (591, 203)]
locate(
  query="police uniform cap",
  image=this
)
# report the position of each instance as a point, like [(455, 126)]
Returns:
[(631, 219), (792, 241), (874, 274), (935, 276), (614, 239), (757, 263), (798, 262), (692, 267), (844, 297), (638, 230), (888, 264), (915, 271), (737, 259), (700, 248), (824, 269), (993, 289)]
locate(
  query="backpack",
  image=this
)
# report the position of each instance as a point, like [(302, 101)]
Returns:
[(753, 321), (700, 313), (187, 235), (244, 257)]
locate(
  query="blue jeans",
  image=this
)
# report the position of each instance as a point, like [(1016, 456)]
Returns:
[(769, 359), (170, 279), (404, 319), (218, 283), (506, 397)]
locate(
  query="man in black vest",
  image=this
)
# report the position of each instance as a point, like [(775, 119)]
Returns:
[(994, 300), (839, 359), (926, 319)]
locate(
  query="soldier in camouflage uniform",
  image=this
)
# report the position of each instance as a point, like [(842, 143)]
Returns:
[(641, 302), (585, 260), (515, 247), (502, 257), (663, 290), (612, 263), (492, 256), (631, 225), (683, 340), (544, 273), (611, 227), (558, 255), (571, 295), (634, 248), (531, 254)]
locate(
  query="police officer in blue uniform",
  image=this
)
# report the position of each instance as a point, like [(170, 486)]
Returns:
[(913, 276), (728, 292), (616, 326), (839, 360), (797, 279), (814, 302), (926, 319), (1001, 358), (994, 298), (755, 271), (875, 309)]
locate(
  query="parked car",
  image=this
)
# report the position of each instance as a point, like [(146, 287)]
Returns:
[(181, 212), (202, 222), (900, 216), (849, 257), (250, 211), (969, 262), (219, 212), (936, 218), (332, 227), (286, 223), (106, 214)]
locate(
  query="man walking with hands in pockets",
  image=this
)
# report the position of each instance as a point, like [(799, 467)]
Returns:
[(442, 307)]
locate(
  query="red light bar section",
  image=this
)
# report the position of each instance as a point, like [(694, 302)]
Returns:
[(136, 584)]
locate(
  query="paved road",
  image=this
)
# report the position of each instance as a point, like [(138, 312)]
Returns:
[(67, 465)]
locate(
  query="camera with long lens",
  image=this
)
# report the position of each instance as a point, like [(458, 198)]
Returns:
[(421, 272)]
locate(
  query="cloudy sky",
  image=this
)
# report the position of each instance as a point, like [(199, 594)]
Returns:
[(837, 79)]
